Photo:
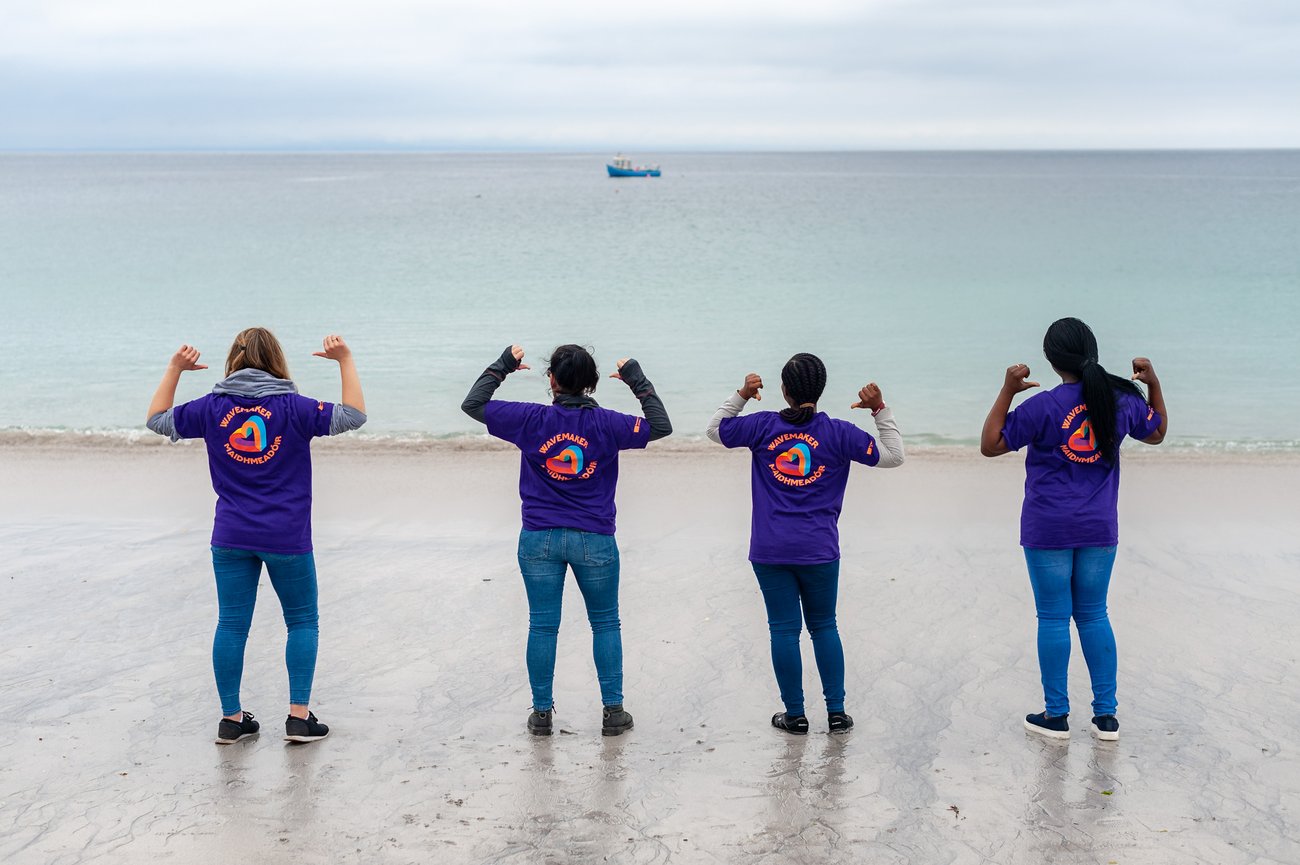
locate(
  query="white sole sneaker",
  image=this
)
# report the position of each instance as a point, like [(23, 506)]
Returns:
[(1105, 736), (1043, 731)]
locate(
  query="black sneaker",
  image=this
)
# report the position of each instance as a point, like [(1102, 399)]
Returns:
[(304, 729), (797, 724), (1045, 725), (840, 722), (229, 732), (539, 723), (1106, 728), (614, 721)]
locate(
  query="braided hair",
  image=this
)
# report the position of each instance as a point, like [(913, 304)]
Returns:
[(1071, 347), (804, 377)]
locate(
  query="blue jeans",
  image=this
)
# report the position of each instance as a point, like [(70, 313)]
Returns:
[(793, 593), (544, 559), (1073, 583), (294, 581)]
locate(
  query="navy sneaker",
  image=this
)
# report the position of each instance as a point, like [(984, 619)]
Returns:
[(304, 729), (840, 722), (229, 732), (1106, 728), (797, 724), (614, 721), (539, 723), (1045, 725)]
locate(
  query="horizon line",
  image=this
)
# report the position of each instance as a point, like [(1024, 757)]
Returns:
[(479, 150)]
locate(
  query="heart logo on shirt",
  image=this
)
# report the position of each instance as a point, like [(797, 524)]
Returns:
[(251, 436), (567, 461), (1083, 440), (796, 461)]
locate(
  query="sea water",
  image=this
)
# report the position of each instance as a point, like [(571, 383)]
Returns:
[(928, 273)]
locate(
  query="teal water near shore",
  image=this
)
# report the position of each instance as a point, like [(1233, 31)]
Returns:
[(926, 272)]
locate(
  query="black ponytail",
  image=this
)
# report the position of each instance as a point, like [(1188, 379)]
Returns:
[(574, 369), (1071, 347), (804, 377)]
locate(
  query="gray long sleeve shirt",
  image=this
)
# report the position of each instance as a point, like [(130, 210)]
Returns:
[(256, 384), (888, 437)]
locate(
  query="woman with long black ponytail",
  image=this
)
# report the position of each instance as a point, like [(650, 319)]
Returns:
[(800, 467), (1068, 524)]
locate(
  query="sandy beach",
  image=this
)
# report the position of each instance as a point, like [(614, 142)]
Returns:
[(108, 708)]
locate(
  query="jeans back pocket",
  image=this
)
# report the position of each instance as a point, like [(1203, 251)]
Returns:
[(599, 549), (535, 546)]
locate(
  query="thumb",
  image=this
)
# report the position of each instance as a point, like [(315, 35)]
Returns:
[(523, 366), (1031, 384), (319, 354), (200, 366), (758, 395)]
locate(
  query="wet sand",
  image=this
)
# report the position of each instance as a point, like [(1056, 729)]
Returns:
[(108, 709)]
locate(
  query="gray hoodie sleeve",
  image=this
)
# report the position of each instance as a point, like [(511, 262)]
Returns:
[(345, 418), (888, 438), (480, 393), (164, 424), (733, 406), (651, 405)]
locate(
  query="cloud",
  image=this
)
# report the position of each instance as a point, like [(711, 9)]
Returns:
[(926, 73)]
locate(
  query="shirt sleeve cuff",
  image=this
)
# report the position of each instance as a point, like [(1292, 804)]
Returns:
[(345, 418), (164, 423)]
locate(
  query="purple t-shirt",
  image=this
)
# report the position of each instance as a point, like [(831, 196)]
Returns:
[(568, 460), (1071, 492), (259, 453), (798, 479)]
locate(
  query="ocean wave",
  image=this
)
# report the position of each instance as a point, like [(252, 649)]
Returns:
[(418, 442)]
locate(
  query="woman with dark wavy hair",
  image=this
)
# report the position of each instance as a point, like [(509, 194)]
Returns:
[(1068, 524), (568, 472)]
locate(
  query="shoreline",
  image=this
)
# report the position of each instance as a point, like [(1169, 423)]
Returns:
[(422, 444)]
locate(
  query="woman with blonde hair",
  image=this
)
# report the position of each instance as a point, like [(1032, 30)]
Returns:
[(258, 431)]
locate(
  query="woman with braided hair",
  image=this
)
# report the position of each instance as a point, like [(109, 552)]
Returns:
[(1068, 523), (800, 468)]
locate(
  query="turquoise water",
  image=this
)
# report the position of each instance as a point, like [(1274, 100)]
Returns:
[(926, 272)]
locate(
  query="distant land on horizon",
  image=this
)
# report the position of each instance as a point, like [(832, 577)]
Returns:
[(446, 149)]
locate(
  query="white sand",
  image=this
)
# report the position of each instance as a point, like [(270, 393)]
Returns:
[(107, 707)]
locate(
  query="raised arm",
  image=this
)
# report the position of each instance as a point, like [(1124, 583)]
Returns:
[(734, 405), (629, 370), (350, 413), (486, 384), (1144, 372), (159, 418), (888, 438), (992, 444)]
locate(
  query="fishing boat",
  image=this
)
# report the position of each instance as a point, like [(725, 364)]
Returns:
[(621, 166)]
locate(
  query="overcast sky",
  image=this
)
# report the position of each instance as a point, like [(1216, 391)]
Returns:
[(645, 76)]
